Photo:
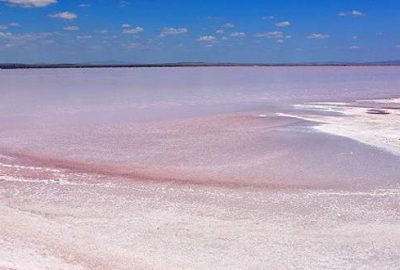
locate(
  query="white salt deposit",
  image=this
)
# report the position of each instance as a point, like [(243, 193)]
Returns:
[(355, 121)]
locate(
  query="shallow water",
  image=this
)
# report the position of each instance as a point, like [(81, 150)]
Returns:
[(199, 168)]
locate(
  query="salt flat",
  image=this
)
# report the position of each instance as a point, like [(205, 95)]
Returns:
[(201, 168)]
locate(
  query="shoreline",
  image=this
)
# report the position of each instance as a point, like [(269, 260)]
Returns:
[(174, 65), (377, 119)]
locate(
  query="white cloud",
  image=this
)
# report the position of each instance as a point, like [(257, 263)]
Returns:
[(3, 27), (238, 34), (14, 24), (318, 36), (280, 41), (265, 18), (86, 37), (133, 46), (355, 47), (5, 35), (352, 13), (84, 5), (170, 31), (207, 39), (26, 37), (71, 28), (135, 30), (219, 31), (283, 24), (123, 3), (64, 15), (274, 34), (30, 3), (48, 41), (125, 25), (228, 25)]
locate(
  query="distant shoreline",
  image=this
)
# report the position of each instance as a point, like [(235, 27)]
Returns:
[(172, 65)]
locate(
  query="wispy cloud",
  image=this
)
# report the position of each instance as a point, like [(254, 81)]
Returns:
[(85, 37), (5, 35), (213, 18), (30, 3), (351, 13), (8, 45), (265, 18), (7, 26), (238, 34), (135, 30), (228, 25), (283, 24), (355, 47), (123, 3), (207, 39), (71, 28), (133, 46), (170, 31), (14, 24), (26, 36), (318, 36), (274, 34), (84, 5), (64, 15)]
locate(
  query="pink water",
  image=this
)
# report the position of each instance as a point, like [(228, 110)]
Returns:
[(195, 168)]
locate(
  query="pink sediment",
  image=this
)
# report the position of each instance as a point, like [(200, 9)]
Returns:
[(242, 150), (175, 176), (218, 130)]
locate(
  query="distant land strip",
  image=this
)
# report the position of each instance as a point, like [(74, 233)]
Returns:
[(190, 64)]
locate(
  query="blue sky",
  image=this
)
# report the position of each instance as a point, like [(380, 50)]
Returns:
[(159, 31)]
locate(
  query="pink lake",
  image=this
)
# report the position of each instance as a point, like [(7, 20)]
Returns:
[(200, 168)]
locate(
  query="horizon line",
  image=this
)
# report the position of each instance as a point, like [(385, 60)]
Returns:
[(191, 64)]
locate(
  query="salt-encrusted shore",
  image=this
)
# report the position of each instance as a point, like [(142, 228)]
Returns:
[(373, 122), (100, 223)]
